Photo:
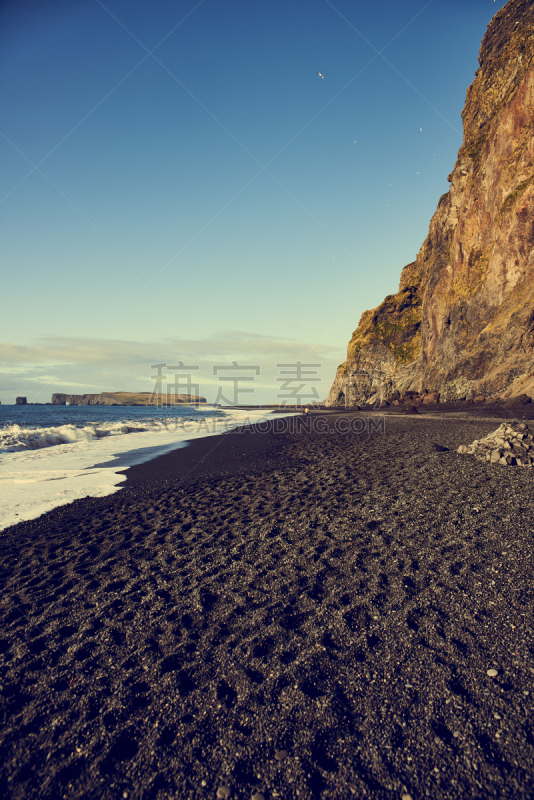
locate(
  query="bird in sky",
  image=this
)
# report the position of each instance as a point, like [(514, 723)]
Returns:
[(321, 76)]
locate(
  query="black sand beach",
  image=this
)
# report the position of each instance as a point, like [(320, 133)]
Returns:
[(300, 614)]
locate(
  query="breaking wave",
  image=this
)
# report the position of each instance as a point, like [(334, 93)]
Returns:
[(16, 438)]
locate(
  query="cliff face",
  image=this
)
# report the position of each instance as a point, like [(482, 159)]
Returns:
[(462, 322), (124, 399)]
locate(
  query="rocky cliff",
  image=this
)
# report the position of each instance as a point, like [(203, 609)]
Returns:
[(124, 399), (462, 322)]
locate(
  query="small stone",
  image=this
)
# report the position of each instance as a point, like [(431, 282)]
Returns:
[(280, 755), (456, 734), (497, 716), (257, 796), (223, 792), (406, 797), (492, 673), (203, 783)]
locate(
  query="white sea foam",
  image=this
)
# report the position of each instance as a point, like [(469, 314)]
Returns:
[(43, 468), (15, 438)]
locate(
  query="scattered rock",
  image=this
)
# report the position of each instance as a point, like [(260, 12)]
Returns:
[(431, 397), (223, 793), (21, 401), (280, 755), (492, 673), (439, 448), (510, 445), (521, 400), (410, 410)]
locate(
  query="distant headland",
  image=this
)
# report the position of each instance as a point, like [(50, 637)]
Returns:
[(126, 399)]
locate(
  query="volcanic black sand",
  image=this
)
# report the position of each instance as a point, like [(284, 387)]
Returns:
[(298, 615)]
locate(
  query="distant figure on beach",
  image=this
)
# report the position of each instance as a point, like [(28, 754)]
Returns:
[(306, 411)]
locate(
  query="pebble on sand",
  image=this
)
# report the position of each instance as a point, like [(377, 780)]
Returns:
[(492, 673), (280, 755), (223, 793)]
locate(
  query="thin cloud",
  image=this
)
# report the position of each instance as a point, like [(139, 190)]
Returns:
[(52, 351), (108, 365)]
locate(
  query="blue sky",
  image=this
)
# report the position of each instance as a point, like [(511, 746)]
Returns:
[(179, 182)]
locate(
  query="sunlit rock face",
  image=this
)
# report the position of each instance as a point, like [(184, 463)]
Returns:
[(462, 322)]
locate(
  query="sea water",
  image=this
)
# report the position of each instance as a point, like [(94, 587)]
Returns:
[(52, 455)]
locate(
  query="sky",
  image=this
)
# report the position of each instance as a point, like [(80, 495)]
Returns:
[(216, 183)]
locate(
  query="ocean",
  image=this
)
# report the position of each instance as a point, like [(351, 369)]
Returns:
[(52, 455)]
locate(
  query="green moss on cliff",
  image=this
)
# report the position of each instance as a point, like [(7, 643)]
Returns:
[(395, 323), (474, 150), (470, 277), (515, 195)]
